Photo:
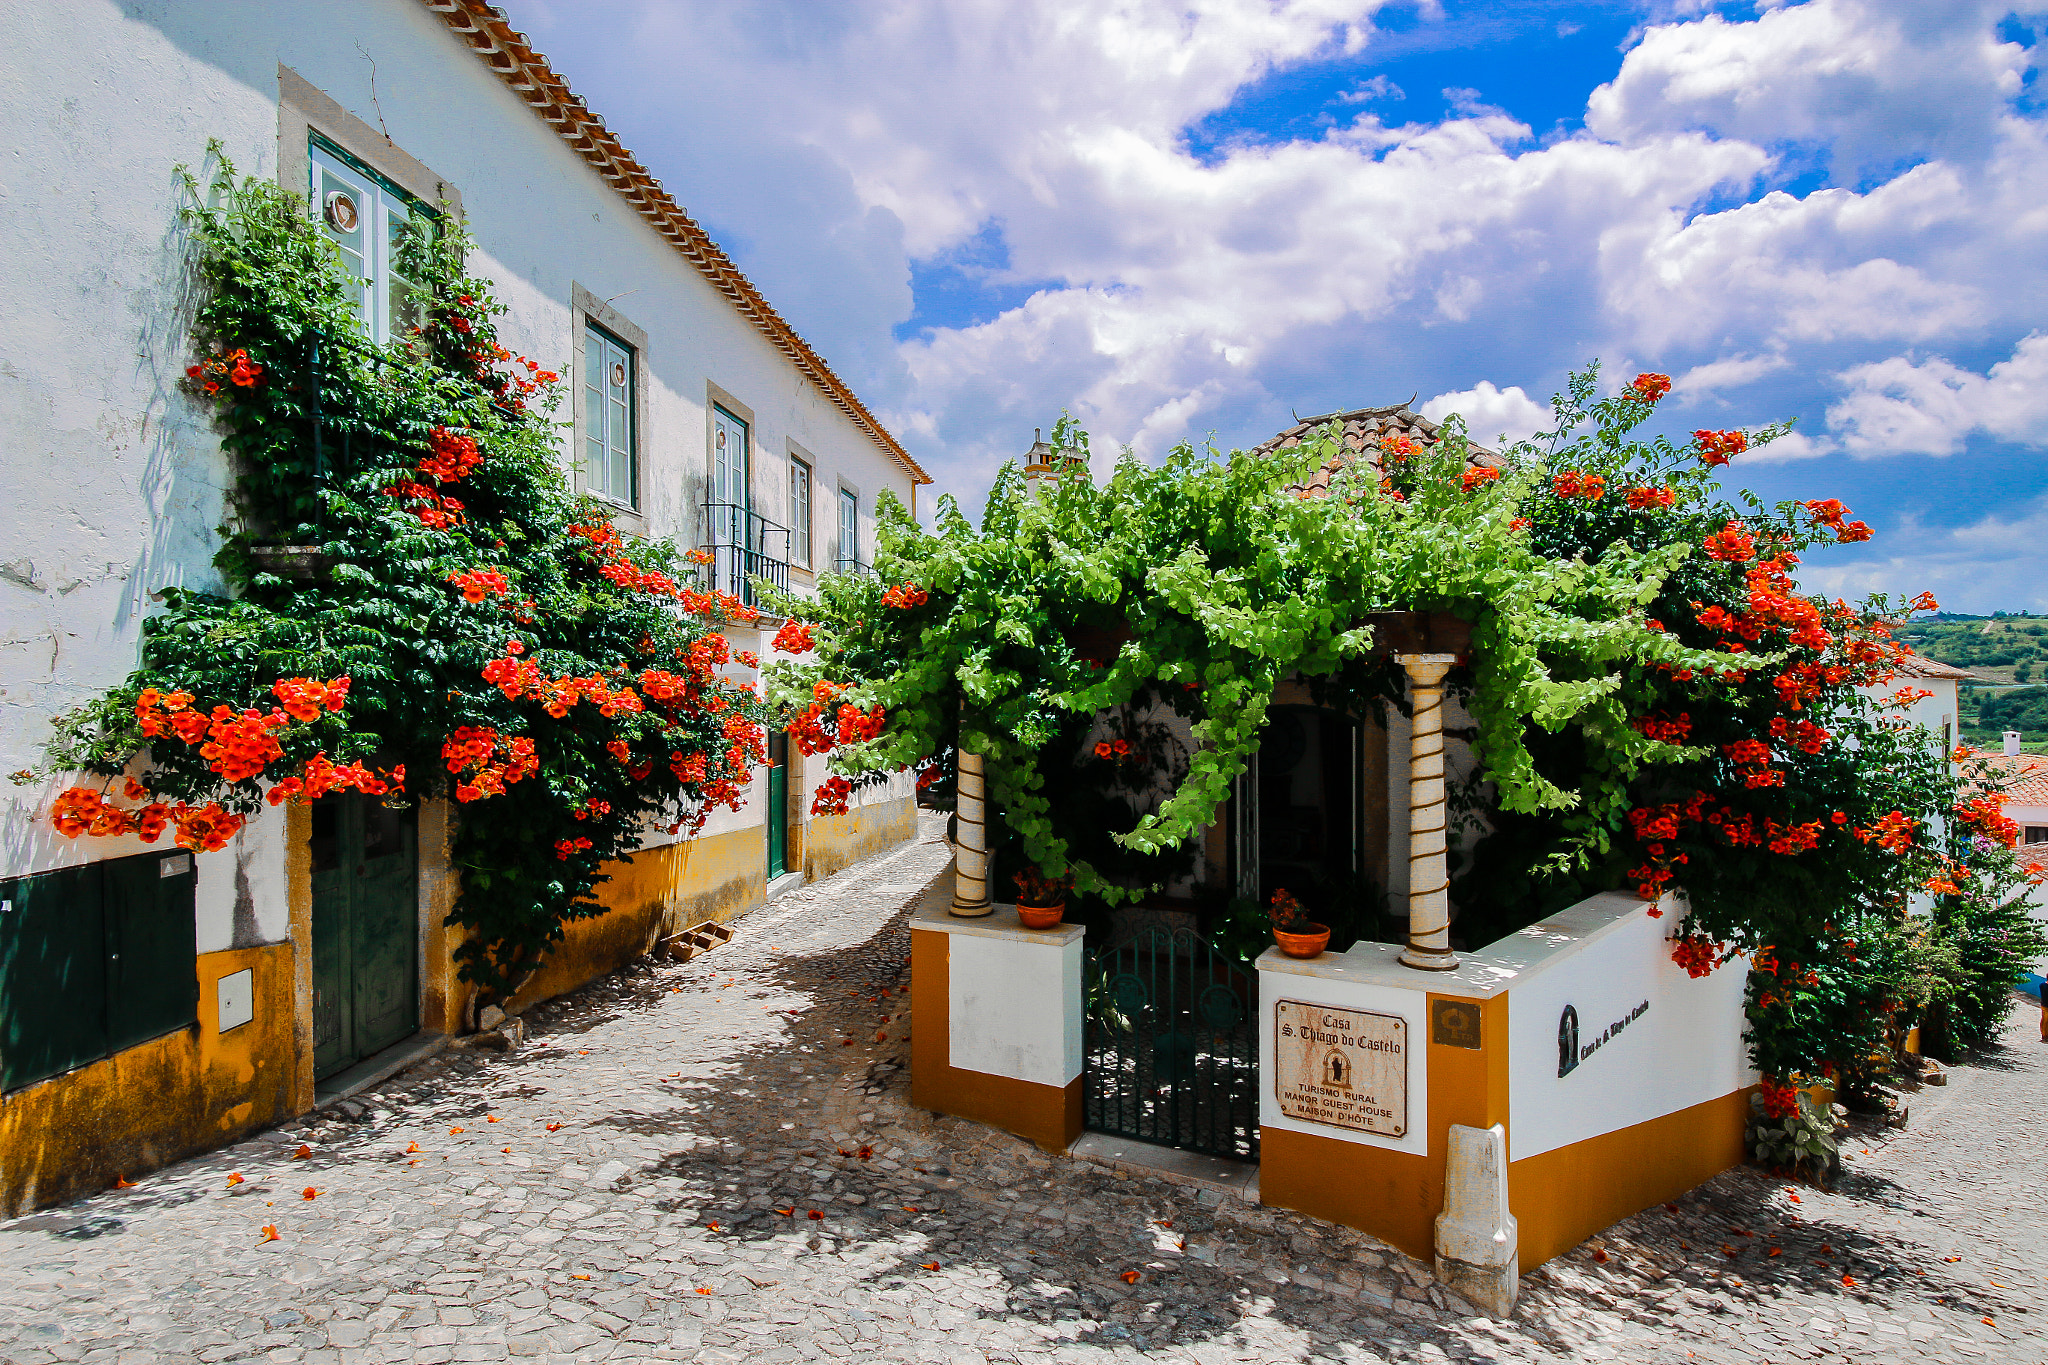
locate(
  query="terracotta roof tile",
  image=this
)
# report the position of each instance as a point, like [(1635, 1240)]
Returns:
[(1919, 666), (2030, 778), (1362, 431)]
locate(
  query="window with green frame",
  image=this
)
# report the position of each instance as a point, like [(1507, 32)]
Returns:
[(609, 374), (366, 216)]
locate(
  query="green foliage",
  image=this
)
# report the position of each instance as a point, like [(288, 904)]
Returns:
[(387, 616), (1804, 1141), (2024, 709)]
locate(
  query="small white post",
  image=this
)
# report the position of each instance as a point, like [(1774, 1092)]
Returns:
[(1478, 1245), (970, 846), (1429, 903)]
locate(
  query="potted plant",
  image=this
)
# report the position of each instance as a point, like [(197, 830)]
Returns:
[(1041, 900), (1293, 930)]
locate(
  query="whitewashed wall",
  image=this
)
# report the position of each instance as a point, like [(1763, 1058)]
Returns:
[(1605, 957), (115, 481)]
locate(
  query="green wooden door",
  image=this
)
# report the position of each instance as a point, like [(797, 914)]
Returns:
[(778, 804), (365, 930)]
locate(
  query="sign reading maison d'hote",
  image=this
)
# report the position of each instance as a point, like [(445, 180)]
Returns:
[(1344, 1067)]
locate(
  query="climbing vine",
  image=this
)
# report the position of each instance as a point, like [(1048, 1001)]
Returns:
[(1656, 704), (450, 618)]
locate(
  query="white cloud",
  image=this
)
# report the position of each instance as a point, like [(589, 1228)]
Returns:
[(1988, 565), (1903, 406), (1491, 415)]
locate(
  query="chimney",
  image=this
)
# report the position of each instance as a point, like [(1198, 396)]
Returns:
[(2012, 744)]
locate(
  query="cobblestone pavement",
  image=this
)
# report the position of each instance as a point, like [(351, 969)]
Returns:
[(716, 1161)]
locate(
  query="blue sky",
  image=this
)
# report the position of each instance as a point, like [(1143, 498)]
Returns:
[(1196, 218)]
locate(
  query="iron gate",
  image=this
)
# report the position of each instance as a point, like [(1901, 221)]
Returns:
[(1172, 1045)]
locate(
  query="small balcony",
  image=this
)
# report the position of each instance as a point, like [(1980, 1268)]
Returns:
[(745, 547), (852, 568)]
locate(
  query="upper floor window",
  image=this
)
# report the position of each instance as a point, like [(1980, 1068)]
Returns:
[(849, 531), (800, 512), (608, 380), (367, 216)]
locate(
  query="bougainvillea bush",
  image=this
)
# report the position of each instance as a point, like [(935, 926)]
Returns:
[(1657, 705), (471, 628)]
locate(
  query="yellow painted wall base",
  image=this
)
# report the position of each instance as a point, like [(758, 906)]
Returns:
[(138, 1110), (1565, 1196), (832, 842), (660, 891), (1048, 1115)]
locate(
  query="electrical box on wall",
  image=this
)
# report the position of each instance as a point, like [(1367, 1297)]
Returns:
[(237, 999)]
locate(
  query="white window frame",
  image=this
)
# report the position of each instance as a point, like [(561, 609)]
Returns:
[(588, 311), (802, 469), (848, 496), (604, 353)]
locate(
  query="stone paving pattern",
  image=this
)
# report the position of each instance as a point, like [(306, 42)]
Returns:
[(716, 1161)]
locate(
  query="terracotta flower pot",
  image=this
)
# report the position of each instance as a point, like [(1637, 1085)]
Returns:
[(1043, 916), (1310, 944)]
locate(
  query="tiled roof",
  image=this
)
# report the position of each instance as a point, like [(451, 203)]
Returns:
[(1919, 666), (505, 51), (2030, 778), (1363, 430)]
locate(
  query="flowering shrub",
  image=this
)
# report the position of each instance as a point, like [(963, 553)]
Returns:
[(500, 640)]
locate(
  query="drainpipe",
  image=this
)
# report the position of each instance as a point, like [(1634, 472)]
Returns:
[(970, 847), (1429, 905)]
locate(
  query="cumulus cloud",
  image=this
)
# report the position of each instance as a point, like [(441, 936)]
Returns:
[(1994, 562), (1491, 415), (1931, 407)]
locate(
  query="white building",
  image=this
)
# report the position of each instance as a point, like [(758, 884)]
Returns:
[(697, 410)]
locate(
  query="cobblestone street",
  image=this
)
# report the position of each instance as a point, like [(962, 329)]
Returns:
[(716, 1161)]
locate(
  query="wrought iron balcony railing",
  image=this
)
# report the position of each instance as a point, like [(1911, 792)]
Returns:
[(852, 567), (744, 547)]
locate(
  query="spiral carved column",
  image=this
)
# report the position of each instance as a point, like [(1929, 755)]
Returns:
[(970, 846), (1429, 904)]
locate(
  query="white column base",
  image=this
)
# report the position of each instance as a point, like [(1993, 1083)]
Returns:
[(1478, 1246)]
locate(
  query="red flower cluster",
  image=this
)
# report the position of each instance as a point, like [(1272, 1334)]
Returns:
[(1664, 731), (472, 753), (433, 509), (203, 829), (793, 638), (304, 698), (1804, 735), (1478, 478), (1697, 954), (1778, 1101), (1647, 388), (323, 776), (1573, 484), (1984, 812), (1640, 499), (1732, 543), (235, 367), (566, 849), (1830, 513), (905, 597), (831, 797), (1118, 750), (1719, 447), (1893, 833), (479, 584), (594, 809), (450, 455)]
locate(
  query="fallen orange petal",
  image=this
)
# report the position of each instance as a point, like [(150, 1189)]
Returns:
[(712, 1225), (579, 1277), (1600, 1256), (234, 1178), (1795, 1199), (929, 1265), (411, 1147), (504, 1149), (816, 1217), (1776, 1251), (453, 1131), (310, 1193), (554, 1127), (121, 1184), (303, 1152), (702, 1290), (491, 1118), (910, 1208), (1987, 1322), (1848, 1279), (1130, 1277), (270, 1232), (787, 1213), (1994, 1284)]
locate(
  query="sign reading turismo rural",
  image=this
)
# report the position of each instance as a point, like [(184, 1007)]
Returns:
[(1343, 1067)]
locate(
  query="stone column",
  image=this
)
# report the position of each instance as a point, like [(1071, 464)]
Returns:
[(970, 846), (1429, 905), (1477, 1242)]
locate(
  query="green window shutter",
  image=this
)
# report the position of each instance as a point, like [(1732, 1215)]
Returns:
[(53, 974), (152, 950)]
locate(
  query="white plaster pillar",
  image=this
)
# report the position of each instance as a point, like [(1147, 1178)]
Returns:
[(970, 846), (1429, 903), (1478, 1245)]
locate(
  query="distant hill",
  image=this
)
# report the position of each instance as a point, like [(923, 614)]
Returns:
[(2003, 648), (2024, 709)]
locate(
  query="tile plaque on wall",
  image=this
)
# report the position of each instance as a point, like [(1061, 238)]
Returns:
[(1344, 1067)]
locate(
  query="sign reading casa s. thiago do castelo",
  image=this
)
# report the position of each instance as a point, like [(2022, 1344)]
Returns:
[(1344, 1067)]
